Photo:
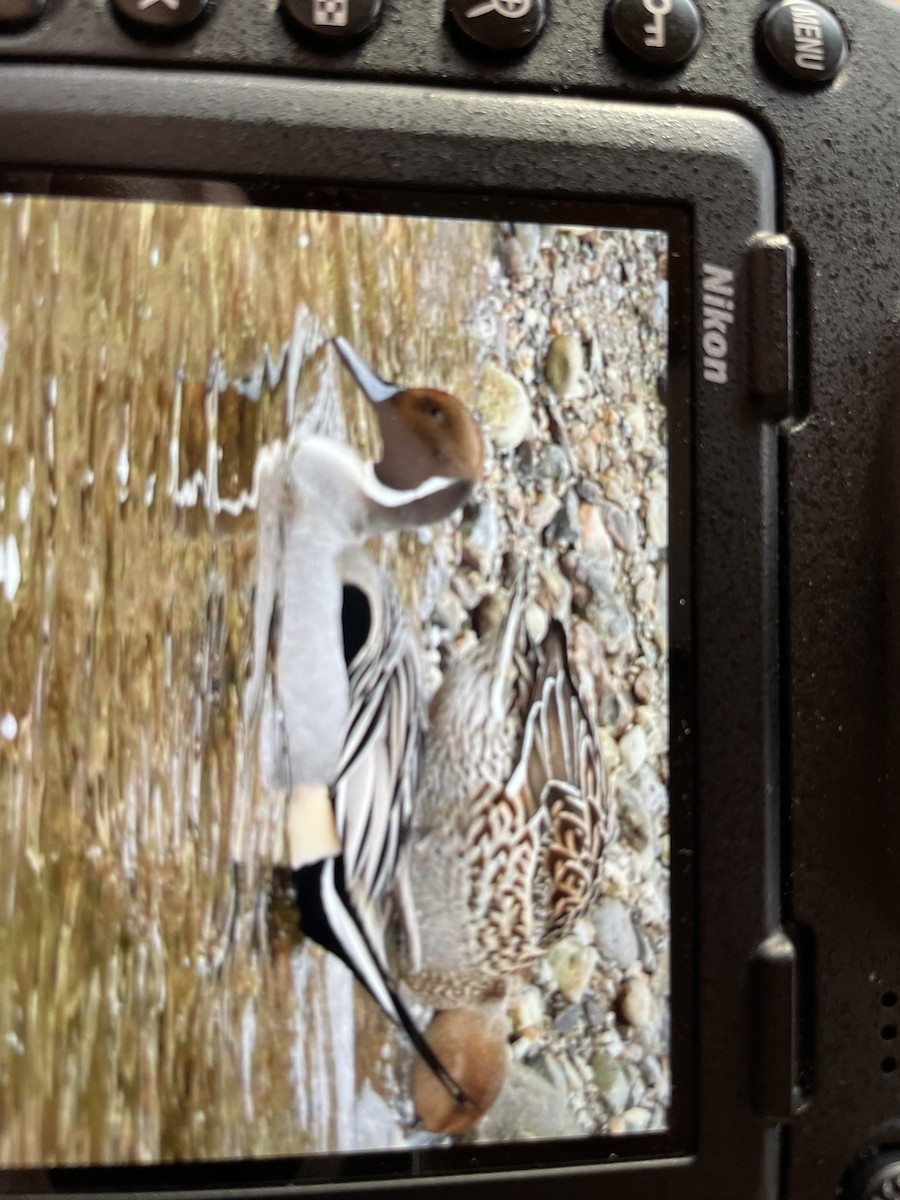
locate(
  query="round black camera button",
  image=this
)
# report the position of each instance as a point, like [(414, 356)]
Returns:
[(660, 33), (334, 21), (500, 26), (16, 14), (159, 16), (803, 41)]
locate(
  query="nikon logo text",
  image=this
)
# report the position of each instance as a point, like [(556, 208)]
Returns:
[(718, 314)]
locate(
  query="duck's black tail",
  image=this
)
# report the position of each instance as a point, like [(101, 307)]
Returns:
[(329, 917)]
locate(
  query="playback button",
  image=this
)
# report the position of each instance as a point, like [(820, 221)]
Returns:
[(804, 41), (332, 22), (498, 26), (661, 34)]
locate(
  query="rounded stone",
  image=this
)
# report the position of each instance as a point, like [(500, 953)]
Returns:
[(504, 407), (564, 365), (614, 933)]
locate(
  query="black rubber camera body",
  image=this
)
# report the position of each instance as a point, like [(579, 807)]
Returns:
[(766, 140)]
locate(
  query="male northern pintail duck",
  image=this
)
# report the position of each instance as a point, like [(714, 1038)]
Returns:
[(510, 825), (335, 676)]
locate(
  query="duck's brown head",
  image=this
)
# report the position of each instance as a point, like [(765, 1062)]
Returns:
[(428, 436), (427, 433), (472, 1043)]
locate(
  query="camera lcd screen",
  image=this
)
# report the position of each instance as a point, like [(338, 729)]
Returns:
[(335, 704)]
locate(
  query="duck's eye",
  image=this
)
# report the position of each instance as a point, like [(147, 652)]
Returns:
[(435, 412)]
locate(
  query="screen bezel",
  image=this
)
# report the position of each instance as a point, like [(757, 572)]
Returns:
[(719, 171)]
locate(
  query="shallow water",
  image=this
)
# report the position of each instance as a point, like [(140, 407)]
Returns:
[(154, 1004)]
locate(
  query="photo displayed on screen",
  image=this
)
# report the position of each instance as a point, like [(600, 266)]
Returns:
[(334, 697)]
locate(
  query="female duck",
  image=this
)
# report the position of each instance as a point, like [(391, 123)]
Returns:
[(510, 826)]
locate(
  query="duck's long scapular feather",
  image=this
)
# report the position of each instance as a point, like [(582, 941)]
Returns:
[(331, 919), (377, 774)]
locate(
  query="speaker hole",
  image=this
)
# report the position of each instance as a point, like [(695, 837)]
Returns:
[(889, 1065), (889, 999), (888, 1032)]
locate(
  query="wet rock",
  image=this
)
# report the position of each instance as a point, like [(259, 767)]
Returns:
[(564, 365), (504, 407), (615, 935)]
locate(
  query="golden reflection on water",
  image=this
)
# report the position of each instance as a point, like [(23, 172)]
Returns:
[(147, 1004)]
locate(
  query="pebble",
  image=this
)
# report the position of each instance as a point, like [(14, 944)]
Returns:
[(633, 749), (571, 964), (504, 407), (612, 1081), (645, 687), (537, 622), (562, 530), (552, 465), (542, 512), (658, 517), (526, 1011), (595, 539), (528, 236), (636, 422), (481, 537), (568, 1018), (636, 1003), (621, 527), (564, 365), (637, 1119), (615, 936)]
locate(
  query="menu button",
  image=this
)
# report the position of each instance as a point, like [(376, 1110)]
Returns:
[(804, 41)]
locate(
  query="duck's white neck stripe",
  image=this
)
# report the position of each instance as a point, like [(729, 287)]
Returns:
[(388, 497)]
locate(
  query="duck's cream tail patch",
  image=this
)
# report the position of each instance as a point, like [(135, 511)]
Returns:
[(311, 832)]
